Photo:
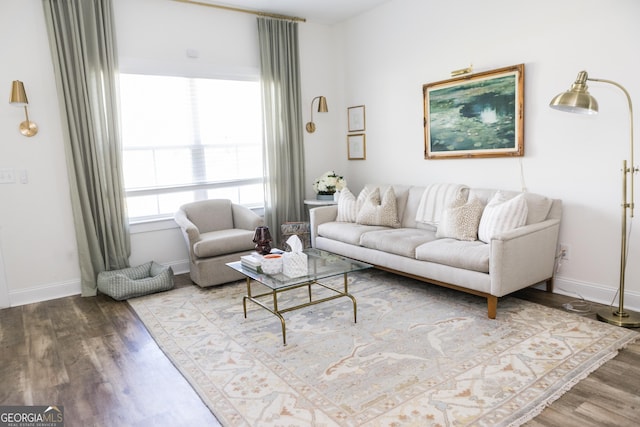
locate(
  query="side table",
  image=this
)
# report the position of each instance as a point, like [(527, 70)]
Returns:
[(314, 203)]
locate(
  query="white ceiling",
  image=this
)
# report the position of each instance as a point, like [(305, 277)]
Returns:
[(319, 11)]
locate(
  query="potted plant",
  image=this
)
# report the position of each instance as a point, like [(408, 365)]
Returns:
[(326, 185)]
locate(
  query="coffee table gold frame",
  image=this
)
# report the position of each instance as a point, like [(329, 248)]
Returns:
[(277, 311)]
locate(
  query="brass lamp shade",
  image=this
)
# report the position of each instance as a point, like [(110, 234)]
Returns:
[(18, 98), (18, 95), (322, 105), (577, 99), (322, 108)]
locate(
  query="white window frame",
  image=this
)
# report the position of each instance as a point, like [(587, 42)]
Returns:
[(164, 221)]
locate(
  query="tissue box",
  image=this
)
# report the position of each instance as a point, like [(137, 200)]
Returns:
[(294, 264)]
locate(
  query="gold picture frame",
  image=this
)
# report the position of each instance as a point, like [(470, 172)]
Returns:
[(356, 119), (475, 115), (356, 146)]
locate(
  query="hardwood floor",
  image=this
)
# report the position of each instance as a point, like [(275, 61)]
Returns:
[(94, 357), (610, 396)]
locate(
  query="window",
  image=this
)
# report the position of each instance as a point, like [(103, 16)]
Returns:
[(187, 139)]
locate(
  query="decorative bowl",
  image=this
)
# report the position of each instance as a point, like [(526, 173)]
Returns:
[(272, 264)]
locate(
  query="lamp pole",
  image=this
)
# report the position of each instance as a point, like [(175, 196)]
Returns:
[(578, 100), (621, 317)]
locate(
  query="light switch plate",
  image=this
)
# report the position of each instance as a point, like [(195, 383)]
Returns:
[(7, 176)]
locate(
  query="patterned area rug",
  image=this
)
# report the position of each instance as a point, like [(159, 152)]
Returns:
[(419, 355)]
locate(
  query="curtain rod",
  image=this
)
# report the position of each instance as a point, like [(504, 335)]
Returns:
[(237, 9)]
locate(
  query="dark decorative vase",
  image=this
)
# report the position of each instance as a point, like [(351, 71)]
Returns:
[(262, 239)]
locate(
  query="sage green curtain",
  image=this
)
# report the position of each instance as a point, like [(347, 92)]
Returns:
[(284, 150), (81, 35)]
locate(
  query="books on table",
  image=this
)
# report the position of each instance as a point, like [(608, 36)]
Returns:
[(252, 261)]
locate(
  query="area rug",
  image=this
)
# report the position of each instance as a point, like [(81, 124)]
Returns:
[(419, 355)]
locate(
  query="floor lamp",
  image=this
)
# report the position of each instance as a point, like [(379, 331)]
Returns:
[(578, 100)]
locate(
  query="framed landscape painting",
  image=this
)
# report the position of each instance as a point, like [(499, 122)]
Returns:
[(475, 115)]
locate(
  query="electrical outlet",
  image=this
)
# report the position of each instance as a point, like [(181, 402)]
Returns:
[(564, 251)]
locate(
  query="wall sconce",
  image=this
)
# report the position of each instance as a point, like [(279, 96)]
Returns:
[(18, 98), (322, 108)]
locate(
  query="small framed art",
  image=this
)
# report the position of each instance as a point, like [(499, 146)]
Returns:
[(356, 146), (475, 115), (356, 118)]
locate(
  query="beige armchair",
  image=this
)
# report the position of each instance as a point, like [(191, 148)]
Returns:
[(216, 231)]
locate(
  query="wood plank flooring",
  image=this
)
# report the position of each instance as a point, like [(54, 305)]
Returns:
[(94, 357)]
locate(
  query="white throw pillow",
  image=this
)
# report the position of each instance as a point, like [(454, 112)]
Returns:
[(362, 196), (502, 215), (460, 220), (347, 206), (377, 211)]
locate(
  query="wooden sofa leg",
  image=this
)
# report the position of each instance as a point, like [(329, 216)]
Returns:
[(550, 285), (492, 306)]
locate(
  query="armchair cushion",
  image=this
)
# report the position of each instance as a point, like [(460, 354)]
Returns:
[(215, 243)]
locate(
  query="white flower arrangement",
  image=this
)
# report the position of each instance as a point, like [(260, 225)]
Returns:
[(329, 183)]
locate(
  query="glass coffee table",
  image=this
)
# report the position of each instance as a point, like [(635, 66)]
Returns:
[(321, 265)]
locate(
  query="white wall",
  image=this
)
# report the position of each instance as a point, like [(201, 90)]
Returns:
[(37, 236), (393, 50), (380, 59)]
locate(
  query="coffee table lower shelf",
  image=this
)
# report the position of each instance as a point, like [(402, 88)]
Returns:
[(275, 310)]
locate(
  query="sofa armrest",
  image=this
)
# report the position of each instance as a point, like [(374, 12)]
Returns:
[(245, 218), (189, 229), (318, 216), (523, 257)]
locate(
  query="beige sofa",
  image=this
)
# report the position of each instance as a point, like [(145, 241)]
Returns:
[(509, 259)]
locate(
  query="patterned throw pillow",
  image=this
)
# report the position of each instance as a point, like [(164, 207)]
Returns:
[(347, 206), (460, 220), (377, 211), (502, 215)]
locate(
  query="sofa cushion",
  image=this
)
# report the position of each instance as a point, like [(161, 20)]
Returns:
[(456, 253), (502, 214), (399, 241), (224, 242), (347, 206), (461, 220), (345, 232), (378, 210)]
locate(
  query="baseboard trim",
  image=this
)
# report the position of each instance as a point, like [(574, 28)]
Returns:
[(44, 293), (66, 289), (179, 267), (593, 292)]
